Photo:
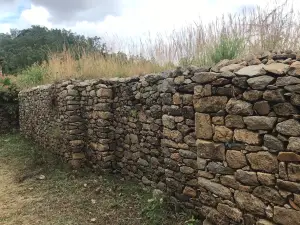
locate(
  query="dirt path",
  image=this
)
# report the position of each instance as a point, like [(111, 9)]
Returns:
[(13, 197)]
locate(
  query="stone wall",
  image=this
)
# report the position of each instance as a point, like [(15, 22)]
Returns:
[(221, 141)]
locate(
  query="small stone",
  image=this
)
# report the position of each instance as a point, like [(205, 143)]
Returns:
[(252, 71), (215, 188), (247, 136), (202, 91), (260, 122), (205, 77), (295, 99), (285, 109), (218, 120), (219, 168), (269, 195), (288, 157), (231, 68), (41, 177), (288, 186), (174, 135), (235, 159), (274, 95), (293, 172), (238, 107), (262, 108), (210, 104), (233, 213), (266, 179), (210, 150), (294, 144), (294, 69), (203, 126), (288, 80), (246, 177), (286, 216), (186, 170), (168, 121), (240, 82), (252, 95), (289, 127), (188, 191), (263, 161), (293, 88), (234, 121), (142, 162), (273, 143), (277, 68), (259, 83), (222, 134), (250, 203)]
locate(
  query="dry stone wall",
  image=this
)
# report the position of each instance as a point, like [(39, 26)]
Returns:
[(223, 142)]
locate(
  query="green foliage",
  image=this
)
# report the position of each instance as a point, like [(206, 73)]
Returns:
[(153, 211), (9, 96), (227, 48), (32, 76), (22, 48), (192, 221)]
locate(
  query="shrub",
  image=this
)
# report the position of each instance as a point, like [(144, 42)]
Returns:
[(32, 76)]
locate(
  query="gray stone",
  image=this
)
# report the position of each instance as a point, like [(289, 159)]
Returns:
[(293, 88), (259, 83), (273, 143), (240, 82), (286, 216), (288, 186), (263, 161), (252, 71), (295, 99), (289, 127), (233, 213), (188, 154), (288, 80), (202, 91), (142, 162), (294, 144), (269, 195), (249, 203), (238, 107), (260, 122), (252, 95), (186, 170), (262, 108), (219, 168), (231, 68), (205, 77), (168, 121), (264, 222), (274, 95), (246, 177), (215, 188), (285, 109)]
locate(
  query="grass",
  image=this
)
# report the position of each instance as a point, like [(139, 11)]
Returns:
[(235, 35), (70, 197)]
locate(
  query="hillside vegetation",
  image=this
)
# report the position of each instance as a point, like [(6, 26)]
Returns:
[(38, 55)]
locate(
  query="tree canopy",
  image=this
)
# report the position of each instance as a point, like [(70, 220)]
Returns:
[(22, 48)]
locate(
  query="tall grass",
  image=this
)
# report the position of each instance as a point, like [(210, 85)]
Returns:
[(229, 36)]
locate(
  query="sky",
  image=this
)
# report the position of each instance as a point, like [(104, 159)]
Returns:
[(123, 18)]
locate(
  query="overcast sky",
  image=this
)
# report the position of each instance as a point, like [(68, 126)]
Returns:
[(124, 18)]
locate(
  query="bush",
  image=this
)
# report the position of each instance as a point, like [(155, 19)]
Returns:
[(32, 76), (227, 48)]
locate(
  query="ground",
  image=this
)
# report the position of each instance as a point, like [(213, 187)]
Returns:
[(37, 188)]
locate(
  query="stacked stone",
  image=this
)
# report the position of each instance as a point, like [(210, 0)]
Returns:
[(247, 129), (97, 99), (223, 141)]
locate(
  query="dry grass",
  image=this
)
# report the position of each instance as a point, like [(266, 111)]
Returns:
[(66, 197), (229, 36)]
